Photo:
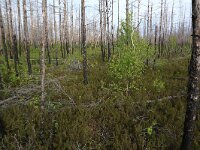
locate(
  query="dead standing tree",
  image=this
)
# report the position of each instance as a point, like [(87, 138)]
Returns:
[(4, 40), (108, 30), (19, 28), (83, 42), (55, 31), (26, 38), (101, 30), (9, 38), (160, 31), (72, 26), (44, 43)]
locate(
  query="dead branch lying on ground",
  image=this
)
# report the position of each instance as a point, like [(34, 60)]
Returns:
[(26, 92)]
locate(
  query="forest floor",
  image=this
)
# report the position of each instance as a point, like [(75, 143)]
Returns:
[(98, 115)]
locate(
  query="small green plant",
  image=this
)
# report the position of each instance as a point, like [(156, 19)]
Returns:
[(159, 85)]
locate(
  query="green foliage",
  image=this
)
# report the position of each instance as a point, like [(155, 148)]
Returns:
[(129, 63), (97, 116), (159, 85)]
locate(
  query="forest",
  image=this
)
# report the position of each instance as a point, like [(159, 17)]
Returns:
[(99, 74)]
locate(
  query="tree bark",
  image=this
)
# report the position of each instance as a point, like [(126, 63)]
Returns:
[(127, 13), (101, 29), (112, 27), (26, 38), (83, 36), (160, 31), (14, 46), (55, 31), (72, 26), (11, 24), (60, 28), (46, 37), (44, 43), (9, 38), (4, 41), (19, 28), (108, 31), (193, 89)]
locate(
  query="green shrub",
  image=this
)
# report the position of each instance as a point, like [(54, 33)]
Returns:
[(129, 62)]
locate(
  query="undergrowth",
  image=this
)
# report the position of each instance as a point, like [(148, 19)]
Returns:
[(98, 116)]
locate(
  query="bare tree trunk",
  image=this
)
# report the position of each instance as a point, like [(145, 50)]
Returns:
[(193, 89), (26, 38), (155, 38), (14, 46), (148, 19), (104, 26), (101, 29), (31, 24), (151, 24), (9, 38), (4, 41), (11, 26), (65, 28), (38, 24), (55, 31), (80, 29), (47, 39), (44, 43), (127, 13), (83, 36), (113, 47), (72, 26), (108, 31), (118, 23), (138, 21), (160, 30), (19, 28), (60, 28)]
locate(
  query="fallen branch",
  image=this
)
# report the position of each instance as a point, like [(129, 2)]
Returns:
[(165, 98), (8, 100)]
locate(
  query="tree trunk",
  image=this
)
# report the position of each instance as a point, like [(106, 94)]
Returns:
[(26, 38), (108, 31), (113, 47), (47, 39), (193, 89), (11, 23), (9, 38), (72, 27), (101, 29), (60, 28), (127, 13), (118, 23), (138, 18), (19, 28), (14, 46), (55, 31), (4, 41), (44, 43), (160, 31), (83, 36)]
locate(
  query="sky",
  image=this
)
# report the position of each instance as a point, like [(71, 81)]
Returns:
[(181, 8)]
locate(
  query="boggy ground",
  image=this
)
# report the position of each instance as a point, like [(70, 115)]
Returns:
[(98, 115)]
